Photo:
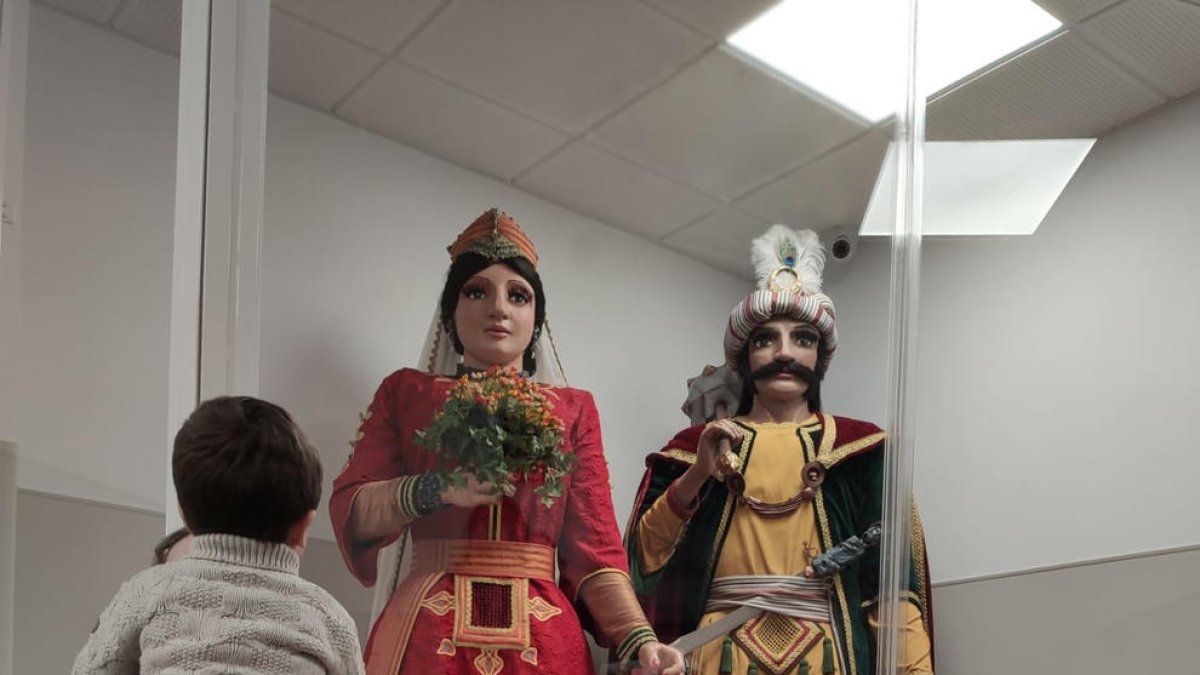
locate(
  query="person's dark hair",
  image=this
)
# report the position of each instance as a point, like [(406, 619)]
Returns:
[(242, 466), (164, 546), (746, 400), (468, 265)]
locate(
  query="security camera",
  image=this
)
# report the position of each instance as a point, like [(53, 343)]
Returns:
[(840, 243)]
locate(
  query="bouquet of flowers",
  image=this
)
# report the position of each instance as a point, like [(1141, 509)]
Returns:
[(498, 426)]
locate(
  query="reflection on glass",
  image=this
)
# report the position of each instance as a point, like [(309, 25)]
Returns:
[(85, 277), (982, 187), (593, 122), (1022, 407)]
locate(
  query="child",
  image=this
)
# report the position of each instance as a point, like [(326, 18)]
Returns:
[(249, 483)]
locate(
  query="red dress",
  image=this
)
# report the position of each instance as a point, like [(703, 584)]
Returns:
[(500, 622)]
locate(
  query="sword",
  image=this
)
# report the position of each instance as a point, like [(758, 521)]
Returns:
[(719, 628)]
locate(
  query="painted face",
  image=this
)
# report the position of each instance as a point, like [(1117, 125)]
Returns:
[(783, 341), (494, 318)]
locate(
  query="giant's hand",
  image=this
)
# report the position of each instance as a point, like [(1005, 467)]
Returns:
[(655, 658), (474, 494), (714, 456)]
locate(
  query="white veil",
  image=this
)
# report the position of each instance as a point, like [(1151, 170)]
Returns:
[(439, 358)]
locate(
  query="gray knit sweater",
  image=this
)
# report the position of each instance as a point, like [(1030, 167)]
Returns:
[(235, 605)]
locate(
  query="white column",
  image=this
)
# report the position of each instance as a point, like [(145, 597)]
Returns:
[(14, 40), (218, 207), (237, 124)]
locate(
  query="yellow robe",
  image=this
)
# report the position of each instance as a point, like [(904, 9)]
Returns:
[(757, 545)]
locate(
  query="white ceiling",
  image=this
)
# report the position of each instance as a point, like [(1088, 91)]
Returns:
[(633, 113)]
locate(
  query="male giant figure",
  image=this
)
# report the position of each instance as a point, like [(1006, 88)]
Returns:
[(753, 534)]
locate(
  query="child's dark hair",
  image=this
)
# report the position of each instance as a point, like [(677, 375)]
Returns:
[(242, 466), (468, 265)]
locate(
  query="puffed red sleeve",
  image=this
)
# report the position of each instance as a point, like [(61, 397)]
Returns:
[(590, 541), (593, 565), (370, 473)]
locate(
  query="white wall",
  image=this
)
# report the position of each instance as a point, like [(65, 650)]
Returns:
[(854, 385), (95, 264), (72, 556), (1058, 372), (1080, 620), (354, 257)]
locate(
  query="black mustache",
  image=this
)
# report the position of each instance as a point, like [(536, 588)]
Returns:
[(790, 367)]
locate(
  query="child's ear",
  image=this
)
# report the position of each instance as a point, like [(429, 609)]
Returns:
[(297, 536)]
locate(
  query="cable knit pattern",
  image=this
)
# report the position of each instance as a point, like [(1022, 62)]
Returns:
[(235, 605)]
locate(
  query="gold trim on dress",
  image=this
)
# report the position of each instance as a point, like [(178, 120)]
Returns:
[(730, 498), (587, 577), (433, 559), (542, 610), (828, 435), (910, 596), (917, 543), (851, 449), (778, 642), (439, 604), (515, 635), (680, 455), (489, 662)]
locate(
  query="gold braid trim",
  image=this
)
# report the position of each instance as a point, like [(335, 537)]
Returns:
[(828, 435), (909, 596), (730, 498), (437, 344), (917, 543), (554, 348), (679, 455), (851, 449)]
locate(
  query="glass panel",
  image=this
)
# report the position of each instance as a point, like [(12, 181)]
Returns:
[(641, 152), (85, 304), (1060, 213)]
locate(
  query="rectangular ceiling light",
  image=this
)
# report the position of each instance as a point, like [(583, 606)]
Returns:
[(852, 52)]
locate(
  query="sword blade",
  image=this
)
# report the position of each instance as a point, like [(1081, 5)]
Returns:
[(730, 622)]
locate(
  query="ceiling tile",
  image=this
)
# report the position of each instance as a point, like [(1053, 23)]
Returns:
[(831, 191), (1155, 39), (721, 239), (152, 22), (100, 11), (725, 126), (596, 184), (380, 25), (314, 67), (426, 113), (567, 63), (1061, 89), (715, 18), (1072, 11)]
